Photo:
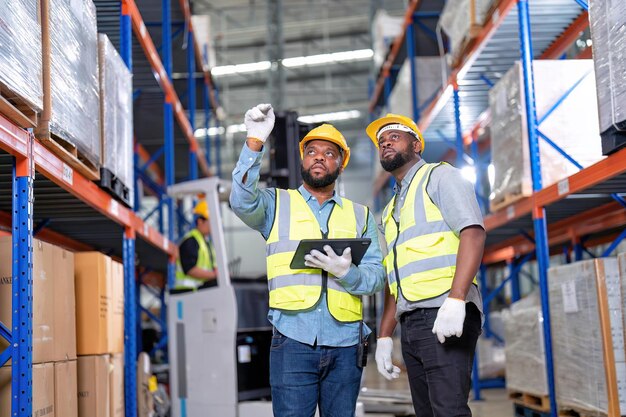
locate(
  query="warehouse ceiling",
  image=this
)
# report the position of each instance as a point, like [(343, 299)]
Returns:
[(239, 34)]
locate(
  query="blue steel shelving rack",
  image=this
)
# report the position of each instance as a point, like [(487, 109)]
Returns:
[(26, 157), (443, 116)]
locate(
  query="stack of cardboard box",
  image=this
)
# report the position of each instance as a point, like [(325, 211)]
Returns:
[(100, 335), (54, 330)]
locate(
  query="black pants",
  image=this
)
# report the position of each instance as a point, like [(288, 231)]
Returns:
[(439, 374)]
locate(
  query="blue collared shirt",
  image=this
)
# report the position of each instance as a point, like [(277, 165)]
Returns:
[(256, 208)]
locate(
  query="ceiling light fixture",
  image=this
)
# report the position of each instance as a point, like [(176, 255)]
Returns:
[(295, 62), (330, 117)]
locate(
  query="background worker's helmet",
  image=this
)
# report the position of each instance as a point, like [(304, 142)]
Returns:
[(201, 209), (331, 134), (376, 125)]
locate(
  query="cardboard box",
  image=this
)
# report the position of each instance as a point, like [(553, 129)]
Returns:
[(64, 305), (93, 386), (116, 330), (43, 391), (145, 403), (116, 385), (43, 299), (65, 389), (586, 308), (99, 304)]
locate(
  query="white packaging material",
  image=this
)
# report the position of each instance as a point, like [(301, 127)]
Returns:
[(608, 33), (459, 21), (74, 80), (20, 50), (385, 28), (116, 107), (428, 75), (525, 354), (577, 344), (573, 126)]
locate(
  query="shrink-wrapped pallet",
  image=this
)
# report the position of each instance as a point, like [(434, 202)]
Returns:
[(385, 28), (525, 354), (116, 109), (608, 32), (585, 299), (572, 125), (428, 76), (70, 71), (20, 53), (461, 20)]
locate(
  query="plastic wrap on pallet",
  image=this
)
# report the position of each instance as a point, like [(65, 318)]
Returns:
[(577, 344), (116, 107), (74, 75), (456, 21), (573, 126), (20, 51), (608, 32), (385, 28), (491, 358), (428, 74), (525, 355)]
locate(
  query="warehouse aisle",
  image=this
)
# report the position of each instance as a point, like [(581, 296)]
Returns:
[(495, 402)]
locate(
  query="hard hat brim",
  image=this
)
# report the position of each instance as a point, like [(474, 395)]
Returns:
[(373, 128)]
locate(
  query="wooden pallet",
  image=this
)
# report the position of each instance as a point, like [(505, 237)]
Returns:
[(536, 402), (507, 200), (579, 412), (17, 109), (67, 152)]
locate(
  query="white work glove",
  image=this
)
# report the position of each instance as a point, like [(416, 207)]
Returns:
[(386, 368), (331, 262), (259, 121), (450, 319)]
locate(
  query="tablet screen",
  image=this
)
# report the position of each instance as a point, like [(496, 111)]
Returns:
[(358, 246)]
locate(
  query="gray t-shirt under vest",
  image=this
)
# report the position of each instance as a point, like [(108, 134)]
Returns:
[(455, 197)]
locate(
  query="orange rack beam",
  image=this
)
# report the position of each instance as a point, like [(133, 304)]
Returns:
[(16, 142)]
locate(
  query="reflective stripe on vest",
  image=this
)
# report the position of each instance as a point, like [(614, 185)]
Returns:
[(205, 261), (421, 247), (300, 289)]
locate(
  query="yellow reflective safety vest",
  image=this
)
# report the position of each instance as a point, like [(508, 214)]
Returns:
[(300, 289), (206, 260), (421, 258)]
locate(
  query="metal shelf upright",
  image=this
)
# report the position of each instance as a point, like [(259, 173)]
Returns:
[(587, 203), (161, 67)]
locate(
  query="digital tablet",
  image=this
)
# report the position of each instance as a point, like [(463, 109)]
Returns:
[(358, 246)]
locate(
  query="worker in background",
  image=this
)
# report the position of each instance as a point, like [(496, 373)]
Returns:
[(316, 312), (435, 238), (196, 258)]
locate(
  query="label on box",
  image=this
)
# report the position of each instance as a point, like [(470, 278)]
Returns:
[(563, 186), (244, 355), (114, 208), (68, 174), (570, 304), (510, 212)]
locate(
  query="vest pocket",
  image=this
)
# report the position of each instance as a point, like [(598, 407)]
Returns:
[(287, 295)]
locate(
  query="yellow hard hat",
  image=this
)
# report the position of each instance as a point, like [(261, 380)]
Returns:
[(201, 209), (376, 125), (331, 134)]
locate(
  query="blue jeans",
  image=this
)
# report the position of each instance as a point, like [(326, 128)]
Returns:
[(303, 376)]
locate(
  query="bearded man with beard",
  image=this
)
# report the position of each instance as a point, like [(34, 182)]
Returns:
[(435, 238), (316, 312)]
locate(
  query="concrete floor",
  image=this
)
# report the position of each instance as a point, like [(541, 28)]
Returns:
[(495, 402)]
